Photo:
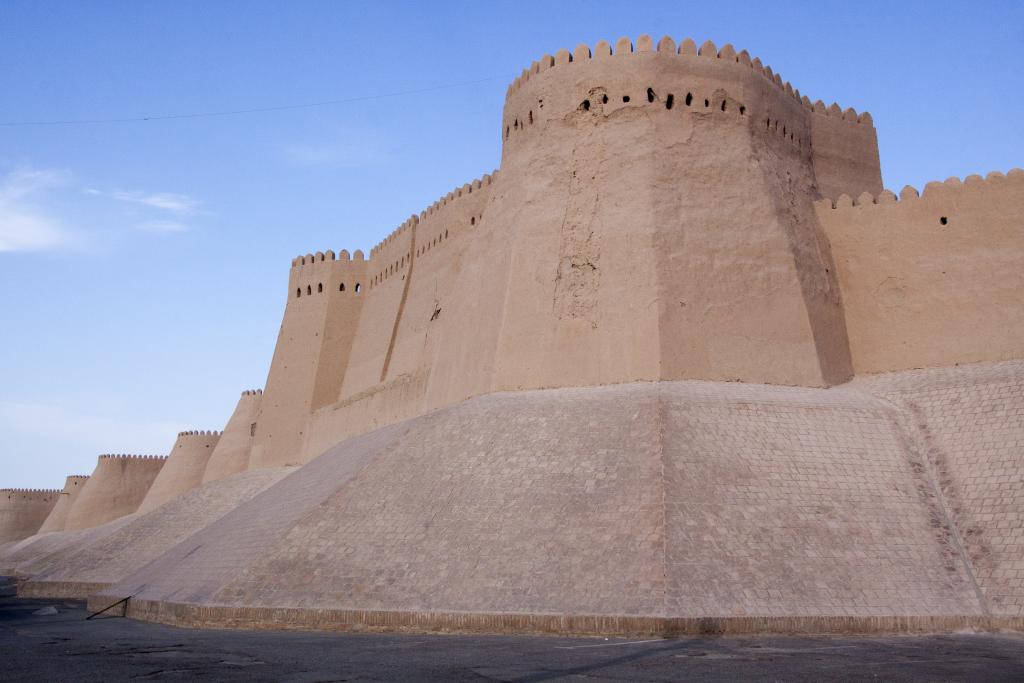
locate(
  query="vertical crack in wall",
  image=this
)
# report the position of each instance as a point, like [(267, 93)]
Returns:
[(579, 251), (401, 302)]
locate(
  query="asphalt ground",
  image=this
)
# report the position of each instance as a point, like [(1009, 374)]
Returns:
[(66, 647)]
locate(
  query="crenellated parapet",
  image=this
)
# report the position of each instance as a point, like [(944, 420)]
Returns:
[(252, 392), (36, 492), (686, 51), (199, 432), (454, 213), (326, 273), (934, 191), (931, 278), (130, 456), (609, 84)]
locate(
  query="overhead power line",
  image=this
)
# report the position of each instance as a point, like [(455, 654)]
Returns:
[(254, 110)]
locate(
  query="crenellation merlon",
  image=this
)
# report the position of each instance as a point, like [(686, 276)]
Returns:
[(910, 194), (687, 49)]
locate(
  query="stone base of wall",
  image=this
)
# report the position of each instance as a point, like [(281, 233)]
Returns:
[(59, 589), (354, 620)]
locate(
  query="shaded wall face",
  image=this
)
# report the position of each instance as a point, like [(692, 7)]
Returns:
[(23, 512), (934, 280), (116, 488), (845, 154)]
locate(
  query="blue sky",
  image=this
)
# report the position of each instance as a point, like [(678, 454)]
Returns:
[(143, 265)]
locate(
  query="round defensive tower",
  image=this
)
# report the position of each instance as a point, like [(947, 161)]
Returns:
[(116, 488), (231, 454), (184, 468), (73, 485), (654, 219), (22, 511)]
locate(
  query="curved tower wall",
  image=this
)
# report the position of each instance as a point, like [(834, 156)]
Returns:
[(183, 470), (23, 511), (231, 454), (653, 218), (55, 521), (116, 488), (649, 238)]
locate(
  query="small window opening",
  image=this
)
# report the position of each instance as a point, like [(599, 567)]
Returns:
[(707, 103), (320, 288), (743, 110), (650, 95), (669, 101), (944, 221), (446, 234), (309, 289), (723, 105), (625, 98), (298, 292), (586, 105), (689, 99), (341, 287), (472, 220), (252, 429), (359, 288), (531, 117), (604, 99)]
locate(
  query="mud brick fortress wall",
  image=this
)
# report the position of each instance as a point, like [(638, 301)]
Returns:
[(658, 215), (680, 363)]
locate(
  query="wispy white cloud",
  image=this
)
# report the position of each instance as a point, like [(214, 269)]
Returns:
[(83, 431), (162, 227), (24, 225), (359, 149), (167, 201)]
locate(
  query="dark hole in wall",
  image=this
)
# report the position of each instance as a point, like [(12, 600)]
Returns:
[(669, 101), (586, 105), (689, 99), (604, 99), (625, 98), (944, 221), (650, 95)]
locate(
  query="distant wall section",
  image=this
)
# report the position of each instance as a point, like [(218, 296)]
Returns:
[(73, 485), (116, 488), (23, 511), (183, 470)]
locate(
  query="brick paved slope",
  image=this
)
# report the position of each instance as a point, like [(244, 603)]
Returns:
[(681, 499)]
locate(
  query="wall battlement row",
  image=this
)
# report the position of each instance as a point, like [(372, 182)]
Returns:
[(45, 492), (687, 49), (324, 256), (199, 432), (462, 191), (128, 456), (252, 392), (909, 193)]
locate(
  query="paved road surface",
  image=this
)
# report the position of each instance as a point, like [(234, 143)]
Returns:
[(65, 647)]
